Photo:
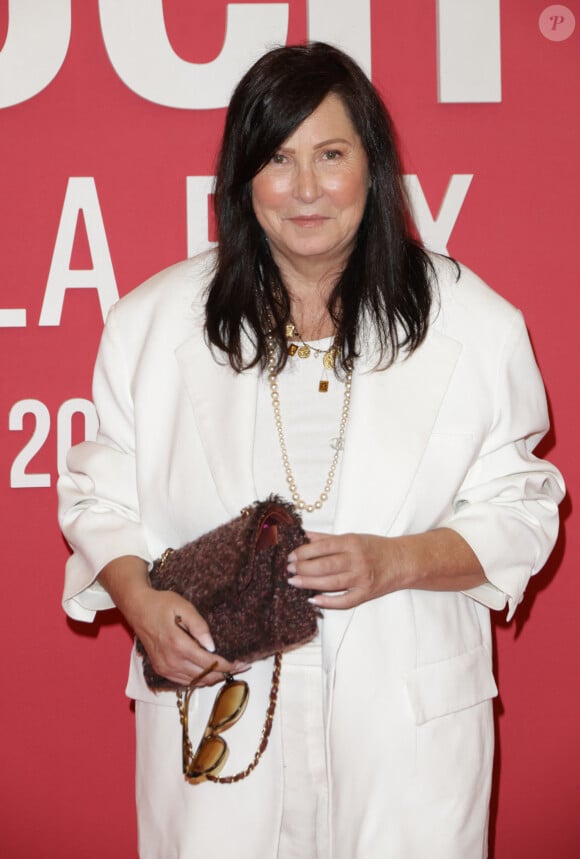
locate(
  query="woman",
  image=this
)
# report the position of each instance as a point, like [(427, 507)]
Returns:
[(321, 353)]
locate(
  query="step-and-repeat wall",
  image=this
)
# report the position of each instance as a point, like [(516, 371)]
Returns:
[(110, 115)]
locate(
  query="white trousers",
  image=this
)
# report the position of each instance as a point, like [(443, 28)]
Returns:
[(304, 832), (165, 801)]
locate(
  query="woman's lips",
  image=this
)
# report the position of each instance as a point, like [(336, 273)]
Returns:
[(308, 220)]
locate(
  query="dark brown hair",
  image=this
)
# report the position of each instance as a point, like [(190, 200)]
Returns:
[(387, 280)]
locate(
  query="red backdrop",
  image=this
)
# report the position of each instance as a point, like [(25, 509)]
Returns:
[(94, 193)]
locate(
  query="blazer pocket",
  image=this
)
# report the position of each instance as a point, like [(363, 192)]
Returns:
[(451, 685)]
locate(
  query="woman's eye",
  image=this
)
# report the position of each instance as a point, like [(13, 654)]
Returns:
[(277, 158), (332, 154)]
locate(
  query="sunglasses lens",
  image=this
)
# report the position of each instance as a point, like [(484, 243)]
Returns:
[(210, 756), (229, 706)]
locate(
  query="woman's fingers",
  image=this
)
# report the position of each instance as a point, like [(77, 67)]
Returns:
[(196, 628), (173, 636), (326, 555), (347, 568)]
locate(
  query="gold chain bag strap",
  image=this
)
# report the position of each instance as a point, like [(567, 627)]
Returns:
[(212, 760), (236, 576)]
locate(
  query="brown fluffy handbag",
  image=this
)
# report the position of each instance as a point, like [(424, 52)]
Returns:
[(236, 577)]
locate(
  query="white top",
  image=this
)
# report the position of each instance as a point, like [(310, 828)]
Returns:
[(310, 421)]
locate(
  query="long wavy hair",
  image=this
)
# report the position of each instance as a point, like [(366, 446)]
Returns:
[(385, 287)]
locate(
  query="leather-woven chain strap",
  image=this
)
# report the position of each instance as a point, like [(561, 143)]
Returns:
[(266, 729)]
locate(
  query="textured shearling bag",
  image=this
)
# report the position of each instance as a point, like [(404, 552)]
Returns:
[(236, 577)]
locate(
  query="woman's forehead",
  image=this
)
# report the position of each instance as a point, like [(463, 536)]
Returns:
[(329, 122)]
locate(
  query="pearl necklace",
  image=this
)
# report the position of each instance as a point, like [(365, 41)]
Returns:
[(338, 445)]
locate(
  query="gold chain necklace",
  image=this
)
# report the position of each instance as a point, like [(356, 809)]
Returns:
[(338, 445), (306, 349)]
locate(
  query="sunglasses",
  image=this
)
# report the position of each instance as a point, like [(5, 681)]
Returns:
[(212, 752), (231, 701)]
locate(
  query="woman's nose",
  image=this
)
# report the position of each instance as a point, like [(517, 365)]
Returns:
[(307, 186)]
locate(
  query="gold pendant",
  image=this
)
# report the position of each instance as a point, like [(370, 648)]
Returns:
[(330, 358), (322, 386), (290, 330), (304, 351), (292, 349)]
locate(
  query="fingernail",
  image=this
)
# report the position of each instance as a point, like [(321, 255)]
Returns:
[(312, 601), (206, 641), (294, 581), (292, 568), (292, 556)]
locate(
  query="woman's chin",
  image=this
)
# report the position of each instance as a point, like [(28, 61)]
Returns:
[(315, 250)]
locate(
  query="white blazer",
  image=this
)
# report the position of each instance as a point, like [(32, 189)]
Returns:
[(444, 437)]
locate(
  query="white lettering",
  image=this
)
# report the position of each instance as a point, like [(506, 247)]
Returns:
[(140, 51), (198, 191), (344, 24), (435, 232), (13, 317), (35, 47), (469, 50), (19, 477), (81, 195), (468, 47)]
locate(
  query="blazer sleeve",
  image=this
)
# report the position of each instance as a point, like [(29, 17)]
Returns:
[(507, 506), (98, 500)]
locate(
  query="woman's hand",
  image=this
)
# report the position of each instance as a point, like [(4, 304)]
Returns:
[(176, 637), (350, 569), (177, 640)]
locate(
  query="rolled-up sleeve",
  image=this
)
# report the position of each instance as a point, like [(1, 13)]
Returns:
[(98, 499), (507, 506)]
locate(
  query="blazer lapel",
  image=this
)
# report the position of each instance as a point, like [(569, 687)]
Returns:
[(392, 416), (224, 406)]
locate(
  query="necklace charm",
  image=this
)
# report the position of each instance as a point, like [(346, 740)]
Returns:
[(330, 357), (305, 350)]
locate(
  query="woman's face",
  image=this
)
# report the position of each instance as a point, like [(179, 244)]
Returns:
[(310, 197)]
